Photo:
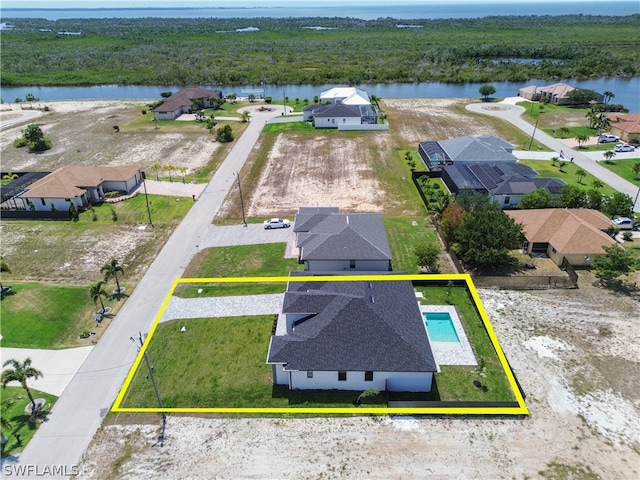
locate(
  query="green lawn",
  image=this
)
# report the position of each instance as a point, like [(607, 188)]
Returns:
[(225, 360), (455, 383), (46, 316), (403, 237), (546, 169), (624, 169), (14, 401), (263, 260)]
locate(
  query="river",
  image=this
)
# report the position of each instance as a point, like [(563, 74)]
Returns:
[(626, 90)]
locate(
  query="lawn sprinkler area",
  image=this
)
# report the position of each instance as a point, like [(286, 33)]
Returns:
[(217, 364)]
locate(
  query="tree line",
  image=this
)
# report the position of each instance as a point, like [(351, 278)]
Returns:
[(184, 51)]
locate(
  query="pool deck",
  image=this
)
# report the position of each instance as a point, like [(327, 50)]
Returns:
[(451, 353)]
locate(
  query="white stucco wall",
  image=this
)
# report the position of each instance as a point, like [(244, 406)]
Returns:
[(393, 381), (338, 265), (326, 122)]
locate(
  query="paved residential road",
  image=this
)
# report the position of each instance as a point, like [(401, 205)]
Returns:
[(508, 111), (80, 410)]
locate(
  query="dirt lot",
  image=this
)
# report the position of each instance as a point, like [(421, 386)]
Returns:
[(576, 368), (575, 352)]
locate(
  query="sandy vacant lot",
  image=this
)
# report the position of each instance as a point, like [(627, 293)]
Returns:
[(577, 370), (82, 133)]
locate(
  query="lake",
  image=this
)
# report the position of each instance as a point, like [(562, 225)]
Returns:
[(625, 90)]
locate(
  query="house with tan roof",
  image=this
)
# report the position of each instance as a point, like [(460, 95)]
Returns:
[(556, 93), (625, 125), (576, 234), (79, 186), (182, 102)]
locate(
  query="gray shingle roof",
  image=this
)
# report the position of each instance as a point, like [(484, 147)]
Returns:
[(478, 149), (337, 110), (354, 326), (336, 236)]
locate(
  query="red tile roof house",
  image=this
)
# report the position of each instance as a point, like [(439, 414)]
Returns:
[(626, 126), (576, 234), (556, 93), (78, 185), (182, 102)]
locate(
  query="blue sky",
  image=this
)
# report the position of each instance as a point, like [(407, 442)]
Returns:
[(232, 3)]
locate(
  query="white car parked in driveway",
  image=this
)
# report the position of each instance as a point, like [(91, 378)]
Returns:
[(624, 147), (276, 223)]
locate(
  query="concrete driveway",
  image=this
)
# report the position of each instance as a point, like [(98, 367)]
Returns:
[(249, 234), (508, 111)]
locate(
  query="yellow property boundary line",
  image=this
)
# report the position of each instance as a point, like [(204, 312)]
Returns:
[(521, 409)]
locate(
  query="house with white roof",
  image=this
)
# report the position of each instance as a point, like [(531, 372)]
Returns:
[(344, 108), (346, 95)]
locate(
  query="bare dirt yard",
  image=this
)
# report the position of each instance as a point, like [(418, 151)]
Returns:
[(575, 354), (355, 171), (82, 133)]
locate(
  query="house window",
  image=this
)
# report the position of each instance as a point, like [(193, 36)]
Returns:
[(309, 373), (554, 250), (43, 202), (344, 120), (507, 200), (333, 120), (368, 376), (67, 199), (342, 376), (352, 264)]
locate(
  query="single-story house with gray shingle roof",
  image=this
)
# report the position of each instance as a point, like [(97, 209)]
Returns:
[(484, 148), (331, 241), (352, 336), (78, 185), (505, 182), (182, 102)]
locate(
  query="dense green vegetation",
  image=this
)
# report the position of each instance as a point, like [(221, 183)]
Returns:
[(210, 51)]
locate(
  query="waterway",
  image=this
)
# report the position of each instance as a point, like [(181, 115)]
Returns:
[(627, 91)]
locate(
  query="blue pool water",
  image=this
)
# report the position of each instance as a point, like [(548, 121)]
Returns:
[(440, 327)]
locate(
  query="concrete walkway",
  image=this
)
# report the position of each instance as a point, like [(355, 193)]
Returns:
[(232, 306), (80, 410), (508, 111), (57, 366)]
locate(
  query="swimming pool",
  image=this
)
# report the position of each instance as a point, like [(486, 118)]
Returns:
[(440, 327)]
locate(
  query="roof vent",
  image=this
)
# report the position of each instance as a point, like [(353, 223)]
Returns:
[(372, 299)]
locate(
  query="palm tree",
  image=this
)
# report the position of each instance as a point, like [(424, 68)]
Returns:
[(580, 173), (608, 96), (554, 160), (5, 424), (169, 168), (581, 139), (597, 184), (608, 155), (564, 131), (636, 170), (112, 269), (183, 170), (157, 167), (20, 372), (245, 116), (562, 165), (97, 292)]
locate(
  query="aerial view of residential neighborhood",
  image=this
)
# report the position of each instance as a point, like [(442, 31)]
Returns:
[(337, 239)]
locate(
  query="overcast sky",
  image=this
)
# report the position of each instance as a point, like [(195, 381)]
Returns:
[(236, 3)]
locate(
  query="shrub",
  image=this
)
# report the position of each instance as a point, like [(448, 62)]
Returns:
[(627, 236), (20, 142)]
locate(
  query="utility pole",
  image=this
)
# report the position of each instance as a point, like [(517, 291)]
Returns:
[(534, 132), (244, 218), (146, 197), (155, 386)]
